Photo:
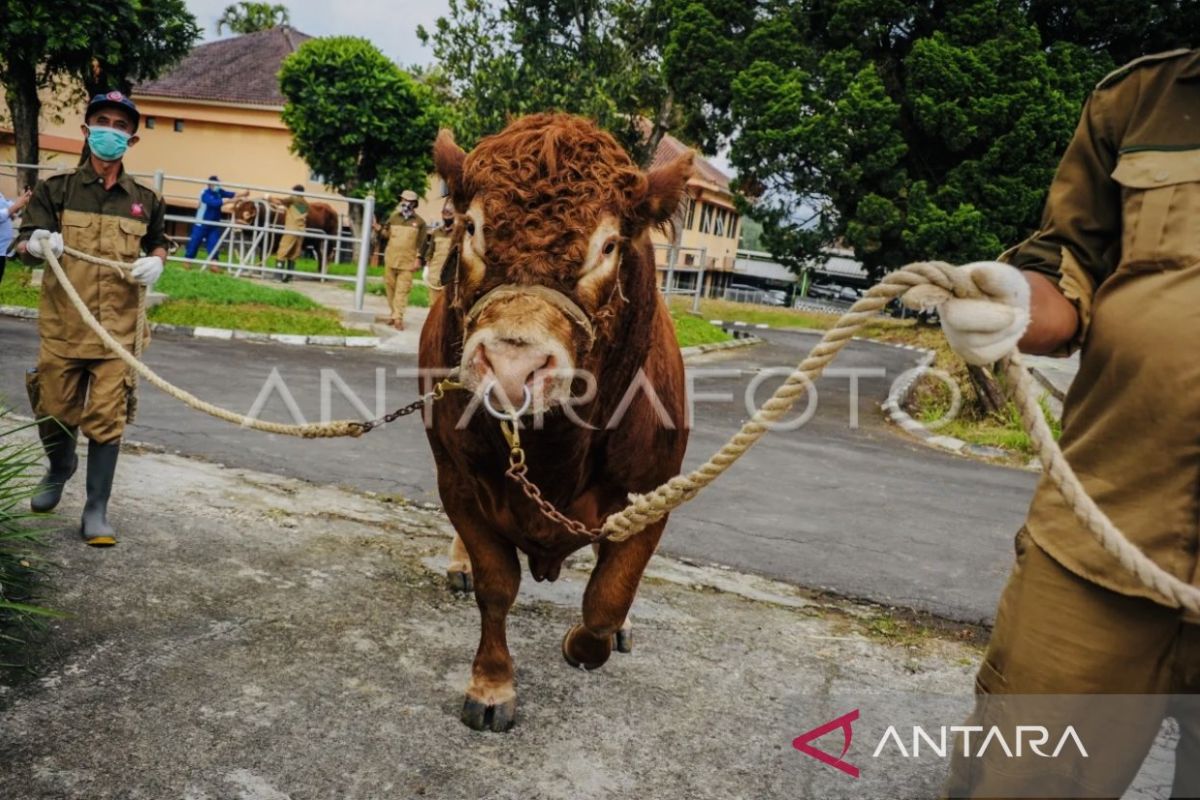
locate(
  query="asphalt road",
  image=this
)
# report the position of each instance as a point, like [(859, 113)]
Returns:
[(858, 511)]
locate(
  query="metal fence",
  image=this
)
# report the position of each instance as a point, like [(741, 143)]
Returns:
[(246, 247), (683, 273)]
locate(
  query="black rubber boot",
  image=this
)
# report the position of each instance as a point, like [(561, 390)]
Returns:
[(289, 266), (59, 443), (101, 466)]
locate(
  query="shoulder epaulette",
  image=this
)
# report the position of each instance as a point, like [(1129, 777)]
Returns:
[(1120, 73), (61, 173)]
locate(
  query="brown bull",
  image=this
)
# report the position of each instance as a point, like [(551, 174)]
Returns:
[(321, 216), (554, 280)]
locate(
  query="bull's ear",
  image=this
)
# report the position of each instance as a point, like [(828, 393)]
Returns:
[(448, 159), (664, 189)]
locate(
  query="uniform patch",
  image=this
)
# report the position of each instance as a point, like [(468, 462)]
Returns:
[(137, 210)]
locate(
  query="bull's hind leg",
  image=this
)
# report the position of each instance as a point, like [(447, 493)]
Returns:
[(609, 594), (458, 569), (491, 701)]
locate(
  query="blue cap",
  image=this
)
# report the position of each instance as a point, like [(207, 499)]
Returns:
[(113, 99)]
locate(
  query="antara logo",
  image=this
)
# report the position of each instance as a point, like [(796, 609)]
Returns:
[(1024, 739), (844, 722)]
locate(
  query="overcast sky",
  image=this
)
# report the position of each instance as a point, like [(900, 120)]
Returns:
[(390, 24)]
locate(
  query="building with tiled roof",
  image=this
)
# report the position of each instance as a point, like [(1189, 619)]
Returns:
[(217, 112), (241, 71)]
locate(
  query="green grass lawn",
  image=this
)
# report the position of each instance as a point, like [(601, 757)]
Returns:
[(15, 289), (213, 300), (217, 288), (691, 331)]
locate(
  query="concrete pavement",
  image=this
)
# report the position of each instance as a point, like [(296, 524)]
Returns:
[(256, 637), (860, 512)]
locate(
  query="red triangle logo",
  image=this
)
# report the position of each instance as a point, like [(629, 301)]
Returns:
[(844, 722)]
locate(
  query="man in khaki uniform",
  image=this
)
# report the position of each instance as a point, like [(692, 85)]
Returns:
[(437, 248), (295, 222), (405, 233), (1114, 270), (98, 209)]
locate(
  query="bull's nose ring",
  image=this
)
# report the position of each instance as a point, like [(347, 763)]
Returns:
[(513, 415)]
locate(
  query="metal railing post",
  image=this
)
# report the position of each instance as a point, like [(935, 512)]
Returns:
[(158, 182), (699, 289), (672, 257), (364, 252)]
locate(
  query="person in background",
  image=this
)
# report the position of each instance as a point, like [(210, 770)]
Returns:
[(211, 200), (437, 248), (405, 234), (295, 220), (80, 384), (8, 210)]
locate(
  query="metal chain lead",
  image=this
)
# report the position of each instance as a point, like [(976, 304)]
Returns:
[(516, 471), (439, 391)]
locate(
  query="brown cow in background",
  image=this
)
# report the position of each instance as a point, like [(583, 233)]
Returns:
[(553, 229), (320, 216)]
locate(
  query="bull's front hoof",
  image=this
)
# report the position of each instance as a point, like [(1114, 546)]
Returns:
[(582, 650), (459, 578), (480, 716), (623, 640)]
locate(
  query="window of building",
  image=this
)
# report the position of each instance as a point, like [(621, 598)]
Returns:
[(690, 224), (706, 218), (719, 221), (316, 177), (149, 122), (179, 126)]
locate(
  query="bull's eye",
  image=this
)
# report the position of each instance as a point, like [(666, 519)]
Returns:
[(610, 247), (470, 227)]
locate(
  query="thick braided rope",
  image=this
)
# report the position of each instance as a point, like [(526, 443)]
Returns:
[(1024, 394), (311, 431), (645, 509), (927, 284)]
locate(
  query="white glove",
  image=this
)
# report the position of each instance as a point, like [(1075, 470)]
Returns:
[(985, 330), (41, 239), (147, 270)]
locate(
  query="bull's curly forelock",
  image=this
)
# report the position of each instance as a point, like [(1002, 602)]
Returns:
[(544, 183)]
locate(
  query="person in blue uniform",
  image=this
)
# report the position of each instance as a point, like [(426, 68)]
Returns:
[(210, 201)]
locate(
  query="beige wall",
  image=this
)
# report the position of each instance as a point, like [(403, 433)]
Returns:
[(240, 144)]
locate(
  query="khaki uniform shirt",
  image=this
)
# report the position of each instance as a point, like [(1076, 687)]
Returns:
[(437, 250), (295, 217), (120, 223), (1121, 235), (406, 241)]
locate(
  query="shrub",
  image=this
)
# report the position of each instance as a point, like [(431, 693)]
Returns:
[(22, 569)]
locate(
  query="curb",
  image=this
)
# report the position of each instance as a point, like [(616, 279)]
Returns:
[(894, 411), (227, 334), (733, 344)]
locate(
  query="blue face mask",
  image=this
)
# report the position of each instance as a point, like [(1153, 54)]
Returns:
[(107, 144)]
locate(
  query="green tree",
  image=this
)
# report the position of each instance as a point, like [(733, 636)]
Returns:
[(252, 17), (616, 61), (99, 44), (359, 120), (915, 129)]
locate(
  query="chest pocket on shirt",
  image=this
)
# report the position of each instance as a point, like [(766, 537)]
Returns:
[(81, 231), (1160, 196), (129, 241)]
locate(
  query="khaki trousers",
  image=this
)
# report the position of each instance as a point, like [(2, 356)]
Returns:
[(1058, 634), (398, 282), (91, 394)]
